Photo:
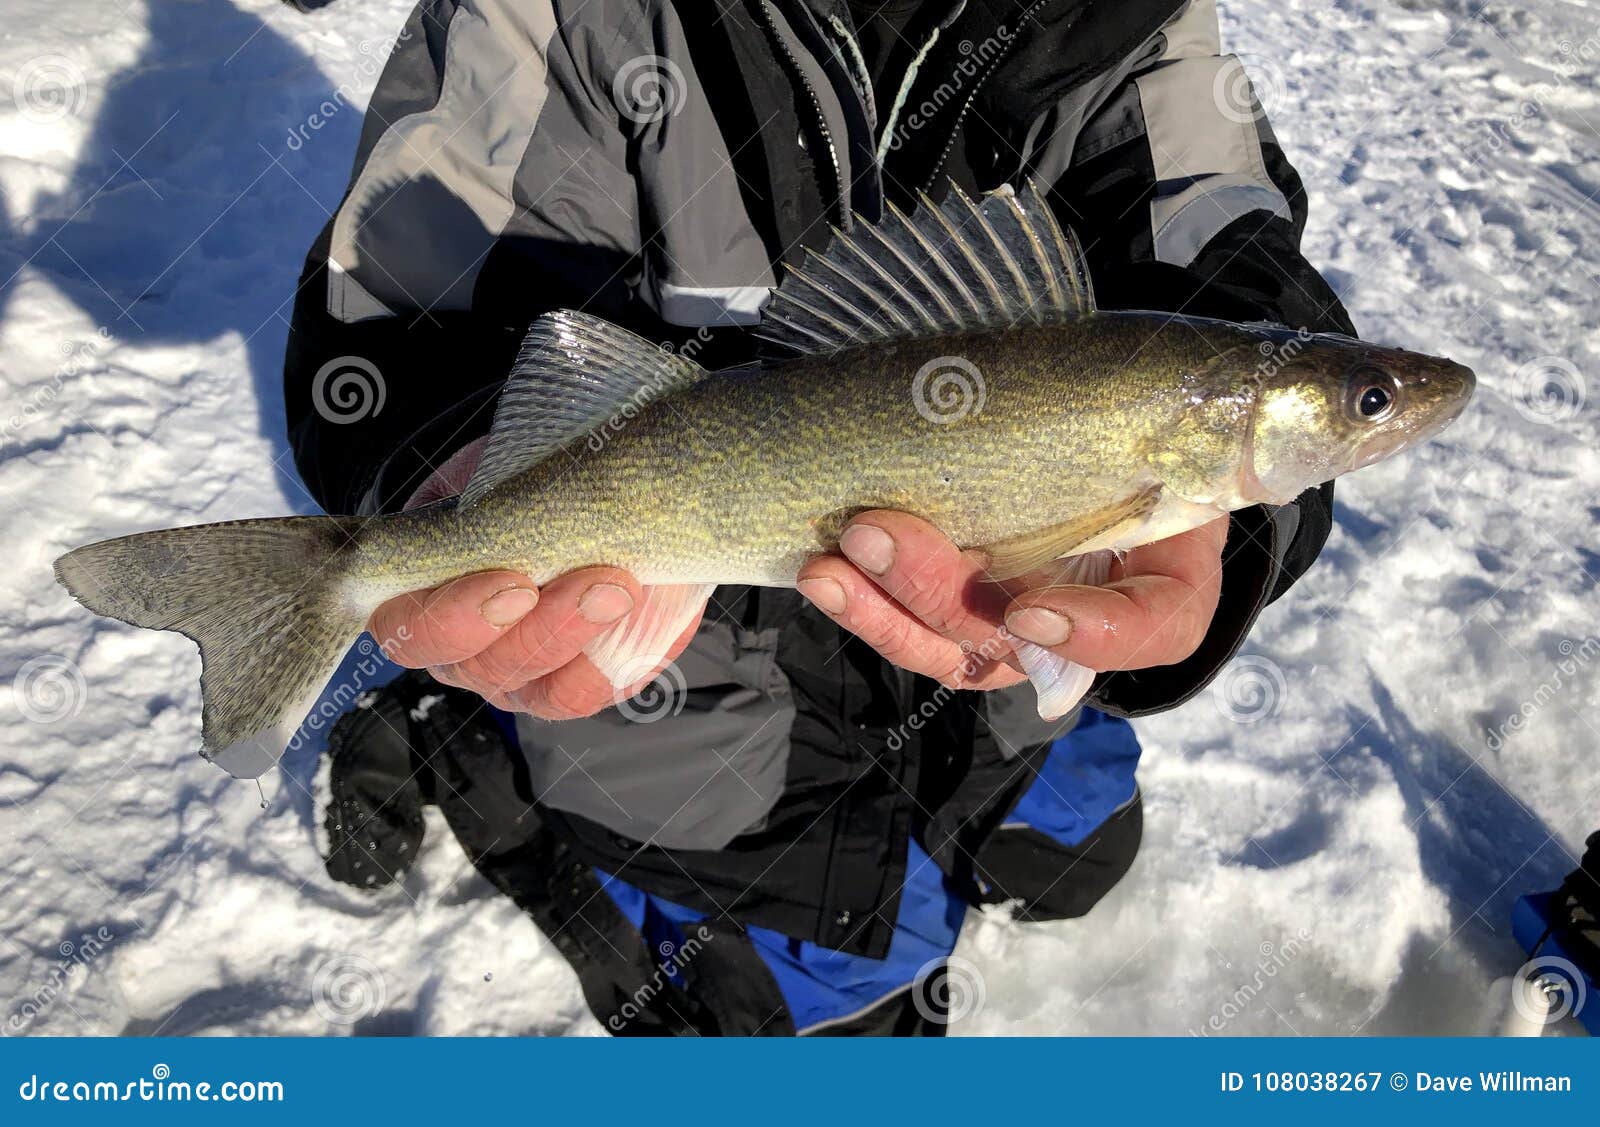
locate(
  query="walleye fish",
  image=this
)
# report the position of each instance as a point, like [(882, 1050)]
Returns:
[(950, 364)]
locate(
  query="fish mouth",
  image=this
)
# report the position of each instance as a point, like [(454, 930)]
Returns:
[(1469, 388), (1466, 385), (1446, 410), (1385, 446)]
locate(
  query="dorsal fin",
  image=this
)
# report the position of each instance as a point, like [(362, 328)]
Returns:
[(953, 267), (574, 373)]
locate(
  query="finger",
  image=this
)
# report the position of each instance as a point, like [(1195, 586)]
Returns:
[(1156, 614), (579, 689), (922, 570), (573, 610), (1194, 555), (443, 675), (986, 675), (448, 623), (840, 590)]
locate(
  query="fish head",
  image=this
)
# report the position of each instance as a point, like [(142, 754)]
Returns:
[(1335, 404)]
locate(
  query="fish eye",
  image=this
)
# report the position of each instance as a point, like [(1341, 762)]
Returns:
[(1370, 394)]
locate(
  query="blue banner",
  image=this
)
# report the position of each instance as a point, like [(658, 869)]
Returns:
[(820, 1081)]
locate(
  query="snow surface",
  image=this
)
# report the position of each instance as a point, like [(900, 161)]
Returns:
[(1334, 838)]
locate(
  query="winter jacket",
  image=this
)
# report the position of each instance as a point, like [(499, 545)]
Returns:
[(659, 163)]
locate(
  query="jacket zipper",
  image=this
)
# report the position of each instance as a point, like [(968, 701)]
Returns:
[(955, 128), (839, 204)]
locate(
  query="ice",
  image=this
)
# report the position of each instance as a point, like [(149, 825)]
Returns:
[(1333, 839)]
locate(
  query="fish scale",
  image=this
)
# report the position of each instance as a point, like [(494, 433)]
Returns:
[(1021, 421), (734, 480)]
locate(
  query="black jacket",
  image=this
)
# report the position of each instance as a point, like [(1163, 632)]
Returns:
[(1150, 145)]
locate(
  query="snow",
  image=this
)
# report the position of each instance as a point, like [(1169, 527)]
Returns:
[(1334, 837)]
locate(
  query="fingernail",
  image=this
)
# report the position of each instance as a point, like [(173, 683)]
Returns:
[(505, 607), (826, 593), (605, 602), (1039, 626), (868, 547)]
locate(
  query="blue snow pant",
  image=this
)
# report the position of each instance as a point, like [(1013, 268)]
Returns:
[(1057, 830), (1052, 845)]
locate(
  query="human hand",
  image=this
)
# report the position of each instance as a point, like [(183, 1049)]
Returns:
[(902, 587), (516, 645)]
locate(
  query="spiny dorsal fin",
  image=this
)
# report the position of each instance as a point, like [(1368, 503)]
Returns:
[(953, 267), (574, 373)]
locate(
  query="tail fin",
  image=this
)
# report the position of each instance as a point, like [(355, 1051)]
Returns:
[(262, 597)]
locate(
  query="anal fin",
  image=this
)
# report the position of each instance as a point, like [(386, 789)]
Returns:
[(630, 651), (1019, 555)]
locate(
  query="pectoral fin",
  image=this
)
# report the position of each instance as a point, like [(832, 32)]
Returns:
[(1019, 555), (1060, 683)]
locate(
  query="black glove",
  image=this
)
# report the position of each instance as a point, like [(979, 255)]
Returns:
[(410, 744), (1575, 915)]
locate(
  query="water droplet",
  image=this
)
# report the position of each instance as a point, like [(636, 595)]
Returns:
[(488, 976)]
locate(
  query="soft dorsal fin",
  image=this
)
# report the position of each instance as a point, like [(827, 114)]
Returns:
[(947, 268), (574, 373)]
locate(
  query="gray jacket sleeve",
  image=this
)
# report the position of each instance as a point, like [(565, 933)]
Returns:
[(520, 156), (552, 124), (517, 156)]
